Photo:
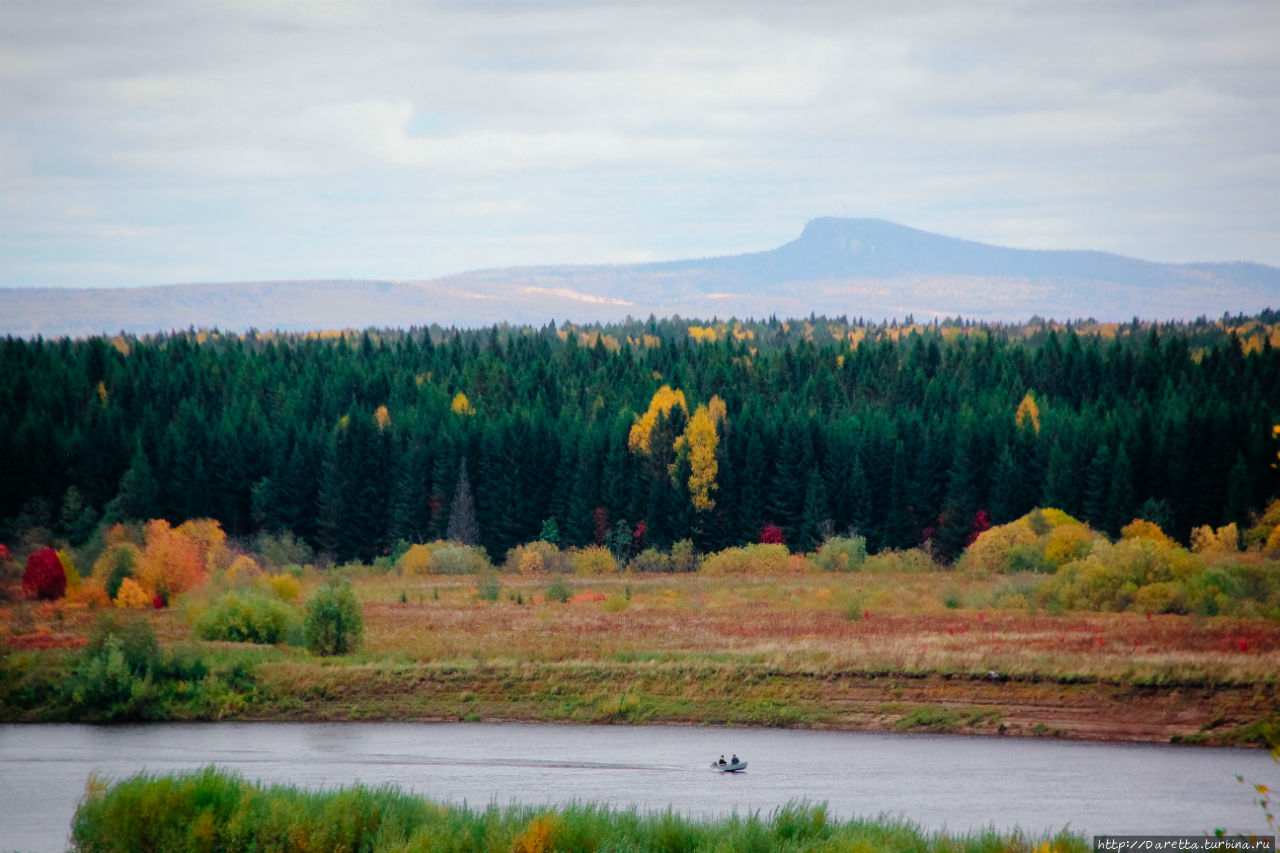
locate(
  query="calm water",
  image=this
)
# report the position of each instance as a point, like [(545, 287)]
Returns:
[(939, 782)]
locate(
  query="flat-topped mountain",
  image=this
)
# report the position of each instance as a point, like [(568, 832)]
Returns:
[(856, 267), (830, 248)]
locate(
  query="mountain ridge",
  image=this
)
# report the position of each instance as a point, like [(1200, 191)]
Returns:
[(862, 267)]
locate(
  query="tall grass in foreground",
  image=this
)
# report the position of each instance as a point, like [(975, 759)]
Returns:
[(218, 812)]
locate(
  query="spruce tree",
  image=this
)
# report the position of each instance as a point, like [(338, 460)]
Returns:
[(816, 521), (860, 499), (1060, 490), (1006, 487), (1097, 488), (1120, 494)]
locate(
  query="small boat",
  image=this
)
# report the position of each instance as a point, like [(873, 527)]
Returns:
[(729, 768)]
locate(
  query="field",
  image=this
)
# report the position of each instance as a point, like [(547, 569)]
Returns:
[(838, 651), (889, 651)]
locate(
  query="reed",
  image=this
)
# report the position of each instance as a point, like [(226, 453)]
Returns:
[(212, 810)]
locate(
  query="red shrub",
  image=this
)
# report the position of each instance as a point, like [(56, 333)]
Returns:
[(44, 577), (771, 534), (981, 524), (600, 524)]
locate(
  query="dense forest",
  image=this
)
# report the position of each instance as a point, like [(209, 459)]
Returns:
[(643, 433)]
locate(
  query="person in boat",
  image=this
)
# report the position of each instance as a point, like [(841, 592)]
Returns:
[(722, 761), (735, 759)]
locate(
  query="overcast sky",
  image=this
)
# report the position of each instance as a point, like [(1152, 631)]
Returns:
[(215, 140)]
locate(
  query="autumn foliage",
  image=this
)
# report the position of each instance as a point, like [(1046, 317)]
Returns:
[(133, 595), (172, 562), (44, 577), (1145, 570), (664, 400), (699, 442), (1028, 413), (415, 562), (771, 534)]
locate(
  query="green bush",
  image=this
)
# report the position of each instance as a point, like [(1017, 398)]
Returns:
[(284, 549), (247, 617), (1027, 558), (535, 558), (333, 625), (488, 584), (137, 639), (842, 554), (102, 686), (912, 560), (112, 678), (650, 560), (684, 558), (450, 558), (1138, 573), (558, 591), (117, 563)]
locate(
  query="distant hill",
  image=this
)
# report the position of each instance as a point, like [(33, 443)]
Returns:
[(856, 267)]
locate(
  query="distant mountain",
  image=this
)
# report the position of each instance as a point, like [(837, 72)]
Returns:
[(857, 267)]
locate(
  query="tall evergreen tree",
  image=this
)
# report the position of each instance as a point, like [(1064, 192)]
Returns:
[(1097, 490), (900, 526), (1006, 487), (1120, 495), (1060, 489), (861, 509), (816, 523), (137, 497)]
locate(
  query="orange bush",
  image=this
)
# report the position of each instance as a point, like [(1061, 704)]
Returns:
[(1142, 529), (172, 562), (117, 534), (91, 595), (208, 535)]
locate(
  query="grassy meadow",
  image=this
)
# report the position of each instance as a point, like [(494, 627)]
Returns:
[(931, 650)]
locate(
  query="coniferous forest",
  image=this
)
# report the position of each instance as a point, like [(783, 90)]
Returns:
[(643, 433)]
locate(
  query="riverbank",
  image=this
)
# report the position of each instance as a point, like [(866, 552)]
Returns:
[(856, 652), (760, 695), (935, 652)]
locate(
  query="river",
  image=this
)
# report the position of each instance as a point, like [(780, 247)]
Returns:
[(947, 782)]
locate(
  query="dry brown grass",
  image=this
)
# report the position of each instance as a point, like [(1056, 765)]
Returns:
[(861, 650), (900, 624)]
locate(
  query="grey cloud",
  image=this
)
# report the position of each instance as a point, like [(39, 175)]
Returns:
[(642, 130)]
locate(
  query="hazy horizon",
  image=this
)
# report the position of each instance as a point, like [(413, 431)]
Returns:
[(218, 141)]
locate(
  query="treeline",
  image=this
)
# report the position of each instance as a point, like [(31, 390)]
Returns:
[(644, 433)]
